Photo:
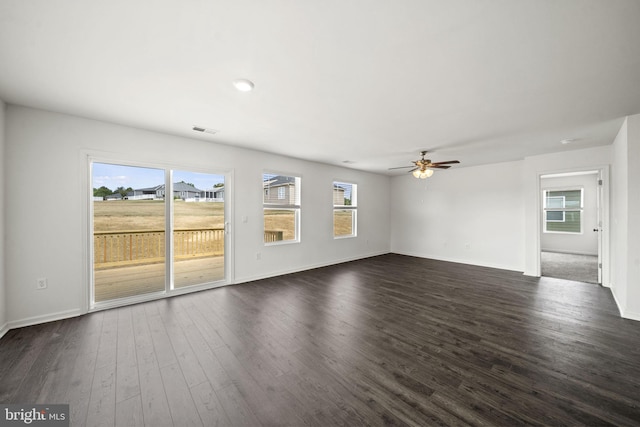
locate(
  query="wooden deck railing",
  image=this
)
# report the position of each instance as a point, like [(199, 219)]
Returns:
[(191, 243), (137, 247), (273, 235)]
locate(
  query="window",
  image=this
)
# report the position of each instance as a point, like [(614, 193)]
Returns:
[(150, 239), (281, 206), (555, 202), (562, 211), (344, 209)]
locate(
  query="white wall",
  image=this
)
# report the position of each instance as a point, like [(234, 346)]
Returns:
[(619, 215), (46, 178), (472, 215), (633, 227), (3, 301), (626, 219), (585, 243)]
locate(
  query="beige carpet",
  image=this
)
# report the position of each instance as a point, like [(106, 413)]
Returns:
[(580, 268)]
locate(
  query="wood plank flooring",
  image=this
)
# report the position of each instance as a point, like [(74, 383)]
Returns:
[(389, 340)]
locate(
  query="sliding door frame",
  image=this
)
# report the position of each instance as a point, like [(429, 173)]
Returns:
[(87, 180)]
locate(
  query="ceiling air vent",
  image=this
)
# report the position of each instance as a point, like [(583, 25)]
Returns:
[(205, 130)]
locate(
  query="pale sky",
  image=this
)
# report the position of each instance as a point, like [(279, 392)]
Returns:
[(114, 176)]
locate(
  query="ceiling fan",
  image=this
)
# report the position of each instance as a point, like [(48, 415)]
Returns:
[(423, 168)]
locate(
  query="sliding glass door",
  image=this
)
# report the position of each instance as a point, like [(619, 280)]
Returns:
[(154, 231), (198, 228)]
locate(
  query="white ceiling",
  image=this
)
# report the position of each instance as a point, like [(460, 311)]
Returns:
[(369, 81)]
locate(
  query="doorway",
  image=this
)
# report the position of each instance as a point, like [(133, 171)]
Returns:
[(154, 232), (571, 228)]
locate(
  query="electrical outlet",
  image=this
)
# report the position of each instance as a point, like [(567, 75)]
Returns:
[(258, 256), (41, 283)]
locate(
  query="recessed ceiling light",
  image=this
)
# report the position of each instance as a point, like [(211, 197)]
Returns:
[(567, 141), (243, 85), (348, 162)]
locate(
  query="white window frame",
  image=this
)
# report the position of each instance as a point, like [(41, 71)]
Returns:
[(295, 208), (341, 207), (548, 209)]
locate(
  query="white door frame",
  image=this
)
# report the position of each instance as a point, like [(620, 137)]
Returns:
[(604, 232)]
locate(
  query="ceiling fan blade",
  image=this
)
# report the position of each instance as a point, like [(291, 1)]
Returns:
[(450, 162), (423, 163)]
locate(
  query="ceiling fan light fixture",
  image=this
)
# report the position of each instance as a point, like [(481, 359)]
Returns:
[(422, 168), (422, 173)]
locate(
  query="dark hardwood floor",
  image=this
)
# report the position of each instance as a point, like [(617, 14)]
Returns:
[(390, 340)]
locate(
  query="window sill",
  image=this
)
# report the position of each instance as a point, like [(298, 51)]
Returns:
[(563, 232), (281, 242)]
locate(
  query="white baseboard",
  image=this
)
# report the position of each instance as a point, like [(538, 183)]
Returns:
[(624, 313), (29, 321), (631, 316), (461, 261), (615, 299), (237, 280), (4, 329)]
